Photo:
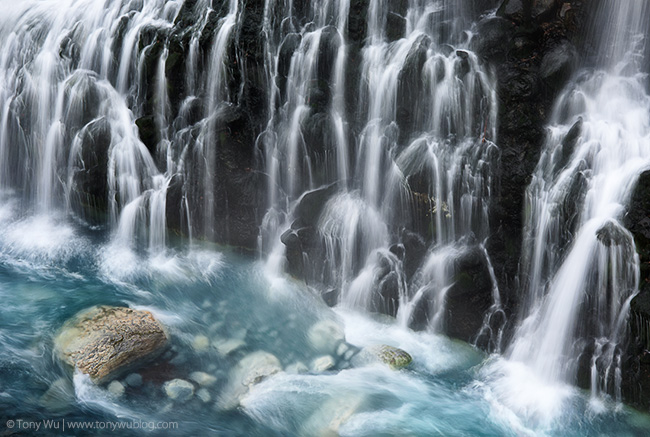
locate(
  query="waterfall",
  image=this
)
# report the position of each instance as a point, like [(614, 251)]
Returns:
[(418, 142), (130, 105), (357, 143), (78, 82), (580, 268)]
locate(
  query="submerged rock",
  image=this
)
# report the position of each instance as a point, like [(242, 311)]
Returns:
[(105, 341), (227, 346), (332, 414), (297, 368), (200, 343), (133, 380), (179, 390), (116, 388), (59, 397), (251, 370), (325, 336), (322, 364), (204, 395), (203, 379)]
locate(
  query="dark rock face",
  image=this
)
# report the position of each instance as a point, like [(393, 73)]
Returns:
[(636, 362), (303, 239), (528, 9), (90, 186), (532, 48), (635, 385), (470, 297), (558, 63)]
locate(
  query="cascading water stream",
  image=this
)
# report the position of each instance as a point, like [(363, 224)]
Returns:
[(86, 75), (580, 269), (439, 156)]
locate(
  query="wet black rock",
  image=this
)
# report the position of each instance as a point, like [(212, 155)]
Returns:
[(612, 234), (395, 26), (410, 86), (387, 284), (523, 10), (559, 63), (492, 38), (568, 144), (635, 384), (636, 361), (289, 45), (531, 61), (89, 183), (302, 240), (469, 299), (415, 249), (311, 204), (330, 41), (637, 221), (148, 132)]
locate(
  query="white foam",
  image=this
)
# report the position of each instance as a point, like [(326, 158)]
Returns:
[(521, 399), (431, 353)]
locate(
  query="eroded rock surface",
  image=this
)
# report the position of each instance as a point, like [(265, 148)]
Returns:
[(105, 341)]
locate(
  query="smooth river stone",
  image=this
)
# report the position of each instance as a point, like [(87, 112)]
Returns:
[(394, 357), (322, 364), (116, 388), (179, 390), (325, 335), (203, 379), (251, 370)]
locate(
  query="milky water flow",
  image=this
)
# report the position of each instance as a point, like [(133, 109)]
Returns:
[(580, 268), (450, 145)]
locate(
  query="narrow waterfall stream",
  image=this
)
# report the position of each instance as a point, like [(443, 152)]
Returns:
[(580, 269), (303, 194)]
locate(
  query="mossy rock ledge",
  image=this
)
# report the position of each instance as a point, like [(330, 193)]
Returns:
[(104, 341)]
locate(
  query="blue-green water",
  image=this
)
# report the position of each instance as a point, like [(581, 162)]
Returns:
[(51, 268)]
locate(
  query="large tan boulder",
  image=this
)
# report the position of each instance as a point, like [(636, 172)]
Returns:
[(105, 341)]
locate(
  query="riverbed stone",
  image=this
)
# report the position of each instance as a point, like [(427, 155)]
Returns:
[(325, 336), (394, 357), (204, 395), (332, 414), (297, 368), (323, 364), (251, 370), (179, 390), (59, 397), (203, 379), (133, 380), (116, 388), (105, 341), (227, 346), (200, 343)]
